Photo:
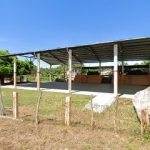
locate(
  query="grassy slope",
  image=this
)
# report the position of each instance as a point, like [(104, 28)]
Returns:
[(51, 134)]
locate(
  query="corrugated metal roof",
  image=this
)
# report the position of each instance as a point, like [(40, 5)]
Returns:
[(129, 50)]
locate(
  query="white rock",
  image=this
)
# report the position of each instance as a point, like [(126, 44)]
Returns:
[(142, 100), (101, 102)]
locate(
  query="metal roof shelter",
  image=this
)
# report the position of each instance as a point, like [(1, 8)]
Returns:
[(129, 50), (113, 51)]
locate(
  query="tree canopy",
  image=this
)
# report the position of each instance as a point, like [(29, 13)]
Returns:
[(146, 62), (6, 66), (24, 67)]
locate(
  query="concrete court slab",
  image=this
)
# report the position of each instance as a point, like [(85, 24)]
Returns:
[(126, 91)]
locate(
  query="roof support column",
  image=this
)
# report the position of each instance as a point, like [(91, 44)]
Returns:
[(122, 67), (100, 69), (70, 70), (50, 73), (115, 70), (38, 71), (15, 72), (81, 68), (64, 73), (149, 67)]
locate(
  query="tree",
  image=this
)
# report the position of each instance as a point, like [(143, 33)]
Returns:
[(6, 66), (146, 62), (24, 67)]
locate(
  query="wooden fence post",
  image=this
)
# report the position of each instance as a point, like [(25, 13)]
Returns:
[(37, 108), (67, 110), (1, 102), (92, 114), (116, 112), (15, 105), (144, 120)]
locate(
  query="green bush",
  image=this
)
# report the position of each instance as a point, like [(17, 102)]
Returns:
[(59, 80), (92, 73), (137, 72)]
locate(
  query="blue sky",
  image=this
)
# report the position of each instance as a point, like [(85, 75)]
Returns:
[(27, 25)]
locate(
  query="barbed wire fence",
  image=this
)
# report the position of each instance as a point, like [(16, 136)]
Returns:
[(51, 110)]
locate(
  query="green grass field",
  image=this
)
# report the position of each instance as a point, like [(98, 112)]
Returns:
[(51, 132), (29, 98), (50, 103)]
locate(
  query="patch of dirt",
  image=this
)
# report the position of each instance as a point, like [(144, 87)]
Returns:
[(16, 135), (52, 134)]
